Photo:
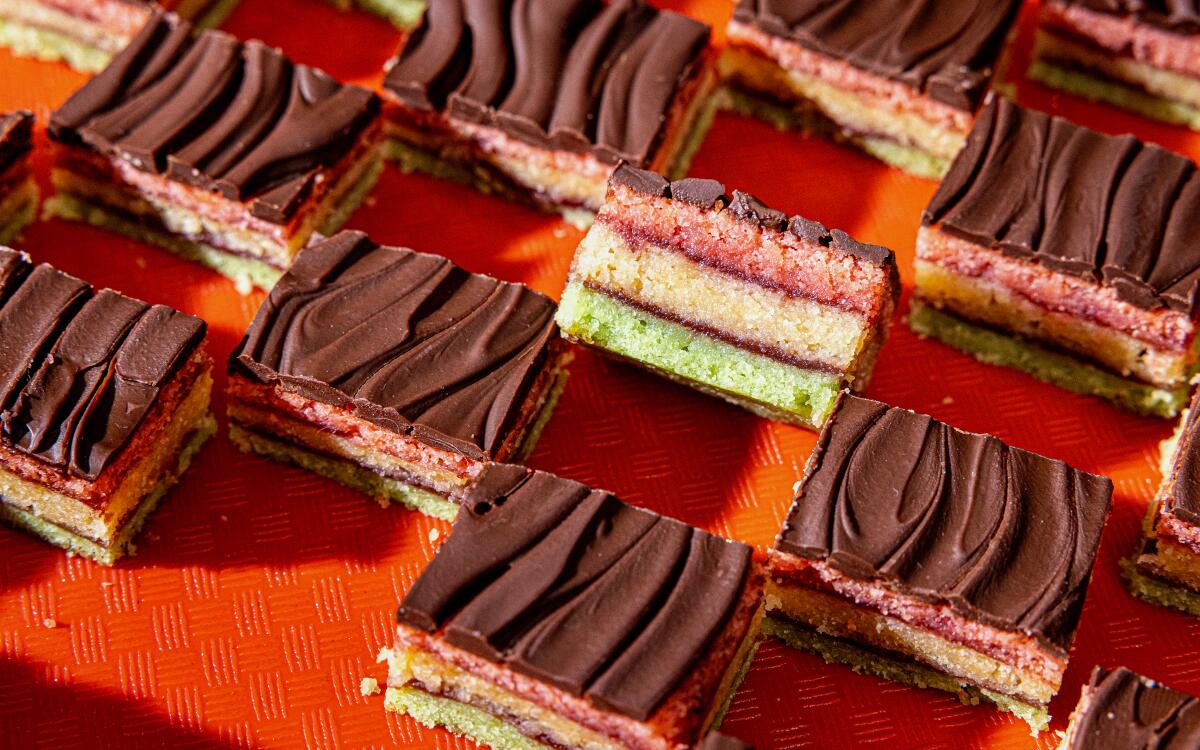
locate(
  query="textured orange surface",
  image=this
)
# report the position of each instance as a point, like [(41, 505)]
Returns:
[(261, 593)]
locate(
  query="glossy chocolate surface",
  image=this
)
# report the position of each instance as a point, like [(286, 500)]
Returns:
[(578, 75), (205, 109), (1000, 535), (1128, 712), (16, 137), (1182, 496), (1180, 16), (946, 49), (80, 368), (1108, 208), (575, 588), (408, 341)]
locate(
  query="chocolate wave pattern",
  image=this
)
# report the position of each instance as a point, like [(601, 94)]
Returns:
[(1181, 16), (81, 369), (409, 341), (16, 137), (1182, 497), (1108, 208), (1128, 711), (944, 48), (205, 109), (575, 588), (999, 534), (580, 75)]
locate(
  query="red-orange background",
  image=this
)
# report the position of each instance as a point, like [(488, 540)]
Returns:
[(261, 594)]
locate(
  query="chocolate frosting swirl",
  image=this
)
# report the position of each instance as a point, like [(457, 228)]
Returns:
[(1182, 495), (1108, 208), (943, 48), (1179, 16), (533, 557), (937, 513), (16, 137), (1128, 712), (207, 110), (409, 341), (81, 368), (580, 75), (710, 194)]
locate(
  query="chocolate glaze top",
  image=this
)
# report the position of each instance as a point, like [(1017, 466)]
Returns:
[(16, 137), (79, 368), (711, 194), (575, 588), (579, 75), (1108, 208), (1128, 712), (943, 48), (715, 741), (409, 341), (1181, 497), (1181, 16), (899, 498), (207, 110)]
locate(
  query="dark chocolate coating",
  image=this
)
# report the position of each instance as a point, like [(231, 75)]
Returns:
[(1108, 208), (409, 341), (1182, 496), (573, 587), (16, 137), (1002, 536), (1179, 16), (946, 49), (1128, 712), (80, 369), (716, 741), (205, 109), (579, 75), (711, 194)]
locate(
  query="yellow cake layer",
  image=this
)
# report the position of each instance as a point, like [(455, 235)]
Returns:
[(45, 17), (668, 281), (1168, 84), (17, 209), (103, 525), (992, 304), (836, 617)]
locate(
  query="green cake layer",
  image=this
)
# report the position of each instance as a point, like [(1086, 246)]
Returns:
[(1054, 367), (404, 14), (123, 544), (1110, 91), (837, 651), (1156, 591), (764, 385), (909, 158), (475, 724), (40, 44), (345, 472)]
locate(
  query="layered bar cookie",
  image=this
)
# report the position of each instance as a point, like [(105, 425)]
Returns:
[(1067, 254), (1120, 710), (104, 400), (1142, 56), (404, 14), (900, 80), (87, 33), (538, 101), (729, 296), (394, 372), (18, 189), (558, 616), (223, 152), (1166, 569), (935, 557)]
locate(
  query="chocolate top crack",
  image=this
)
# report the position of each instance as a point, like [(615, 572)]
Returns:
[(1125, 711), (409, 341), (579, 75), (943, 48), (16, 137), (1109, 208), (711, 194), (205, 109), (573, 587), (934, 512), (1182, 494), (1180, 16), (80, 368), (715, 741)]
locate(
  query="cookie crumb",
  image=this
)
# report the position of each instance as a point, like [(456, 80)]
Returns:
[(369, 686), (50, 623)]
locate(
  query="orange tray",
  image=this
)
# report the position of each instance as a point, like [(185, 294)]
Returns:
[(260, 593)]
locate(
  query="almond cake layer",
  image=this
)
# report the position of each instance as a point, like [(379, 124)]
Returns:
[(892, 542), (899, 80), (544, 116), (802, 311), (223, 151), (637, 647)]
